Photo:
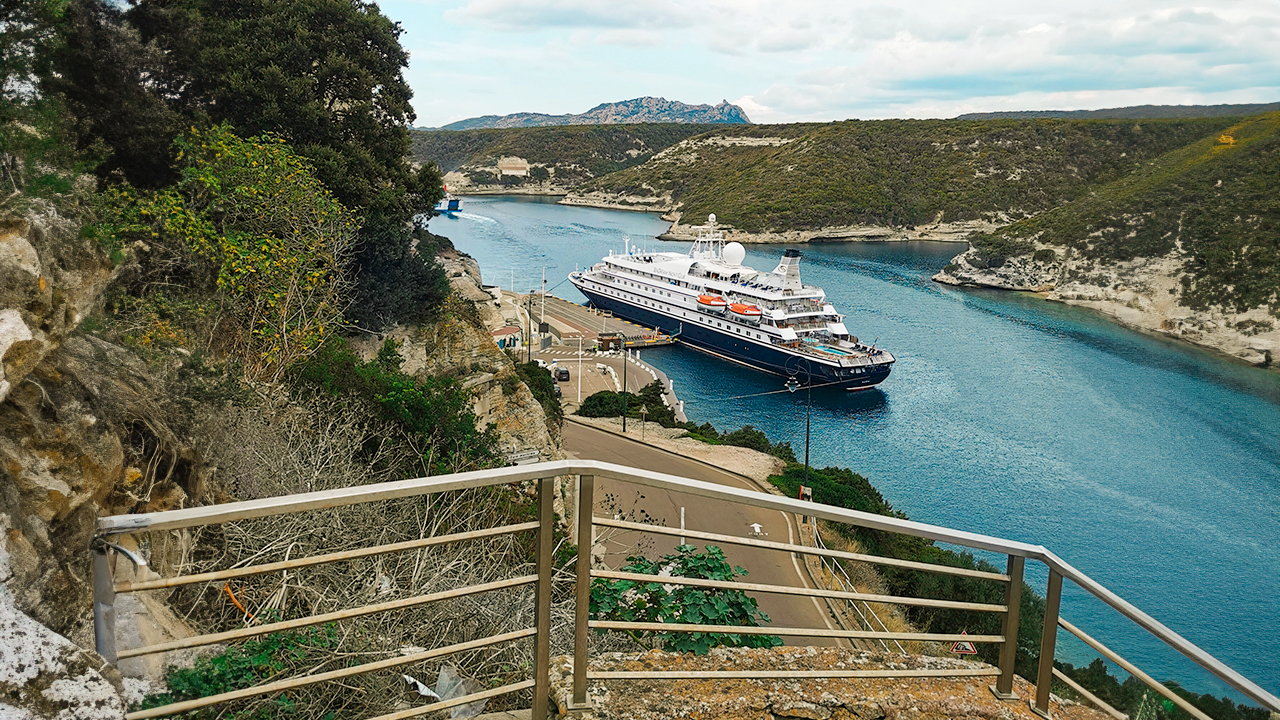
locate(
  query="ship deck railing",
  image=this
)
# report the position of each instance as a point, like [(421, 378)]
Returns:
[(575, 481)]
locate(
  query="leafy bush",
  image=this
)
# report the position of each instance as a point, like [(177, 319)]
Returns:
[(631, 601), (605, 403), (1134, 698), (274, 242), (244, 666), (749, 437), (435, 412)]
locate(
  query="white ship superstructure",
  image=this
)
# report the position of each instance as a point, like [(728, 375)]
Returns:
[(768, 320)]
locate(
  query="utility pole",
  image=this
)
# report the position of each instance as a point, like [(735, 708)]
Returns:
[(791, 385), (528, 340), (579, 369)]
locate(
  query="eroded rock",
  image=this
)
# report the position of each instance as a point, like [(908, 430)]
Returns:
[(45, 675)]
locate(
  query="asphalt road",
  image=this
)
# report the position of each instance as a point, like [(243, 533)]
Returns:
[(663, 507)]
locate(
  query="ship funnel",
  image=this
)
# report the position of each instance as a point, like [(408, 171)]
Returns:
[(788, 270)]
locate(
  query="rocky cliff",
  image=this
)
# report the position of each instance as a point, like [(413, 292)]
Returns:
[(460, 345), (639, 110), (1141, 293), (86, 428), (1186, 245)]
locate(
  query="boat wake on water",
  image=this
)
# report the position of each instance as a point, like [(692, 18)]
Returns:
[(766, 320)]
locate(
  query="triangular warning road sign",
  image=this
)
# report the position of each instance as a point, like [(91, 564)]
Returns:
[(964, 647)]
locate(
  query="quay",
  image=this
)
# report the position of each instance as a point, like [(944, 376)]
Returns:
[(568, 322), (586, 342)]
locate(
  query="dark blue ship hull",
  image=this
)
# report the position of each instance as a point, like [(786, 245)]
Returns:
[(740, 350)]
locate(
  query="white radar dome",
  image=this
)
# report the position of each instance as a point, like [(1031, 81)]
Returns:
[(734, 254), (711, 219)]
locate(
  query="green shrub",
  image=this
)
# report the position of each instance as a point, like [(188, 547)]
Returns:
[(543, 388), (243, 666), (434, 411), (632, 601), (605, 403)]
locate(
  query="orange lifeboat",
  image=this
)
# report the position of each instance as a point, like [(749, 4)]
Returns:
[(745, 310), (714, 303)]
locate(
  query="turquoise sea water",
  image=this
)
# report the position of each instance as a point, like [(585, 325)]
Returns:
[(1150, 466)]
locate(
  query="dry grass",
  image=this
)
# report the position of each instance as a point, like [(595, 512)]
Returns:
[(866, 579), (319, 446)]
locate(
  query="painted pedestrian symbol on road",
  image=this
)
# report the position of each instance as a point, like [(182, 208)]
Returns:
[(964, 647)]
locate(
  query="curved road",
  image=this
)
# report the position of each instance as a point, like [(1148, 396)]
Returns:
[(663, 507)]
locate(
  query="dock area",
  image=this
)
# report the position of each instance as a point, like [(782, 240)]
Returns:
[(569, 321), (579, 339)]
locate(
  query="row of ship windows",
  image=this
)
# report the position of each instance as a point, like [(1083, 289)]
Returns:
[(685, 315)]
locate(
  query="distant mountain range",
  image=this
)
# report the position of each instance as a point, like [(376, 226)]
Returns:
[(639, 110), (1129, 113)]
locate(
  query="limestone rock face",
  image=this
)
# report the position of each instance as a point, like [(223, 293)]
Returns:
[(459, 345), (44, 675), (49, 281), (74, 441), (80, 419), (1142, 293)]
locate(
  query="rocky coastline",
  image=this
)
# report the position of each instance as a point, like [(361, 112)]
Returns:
[(1142, 294), (936, 232)]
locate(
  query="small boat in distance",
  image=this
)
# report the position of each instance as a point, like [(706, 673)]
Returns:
[(766, 320), (449, 204)]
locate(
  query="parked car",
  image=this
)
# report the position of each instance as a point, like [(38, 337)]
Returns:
[(558, 391), (562, 374)]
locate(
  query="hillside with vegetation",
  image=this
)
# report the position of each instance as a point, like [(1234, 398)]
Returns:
[(208, 225), (1133, 112), (1189, 244), (894, 173), (562, 156)]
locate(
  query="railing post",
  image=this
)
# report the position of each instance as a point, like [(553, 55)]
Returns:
[(104, 602), (1003, 688), (1048, 642), (542, 618), (582, 609)]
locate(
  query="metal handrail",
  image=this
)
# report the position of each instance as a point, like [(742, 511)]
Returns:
[(105, 588), (847, 582), (1017, 552)]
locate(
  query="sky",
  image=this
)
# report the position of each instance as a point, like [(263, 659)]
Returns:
[(821, 60)]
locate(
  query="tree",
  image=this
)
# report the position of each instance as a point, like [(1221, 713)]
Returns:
[(24, 27), (100, 69), (326, 76), (278, 241)]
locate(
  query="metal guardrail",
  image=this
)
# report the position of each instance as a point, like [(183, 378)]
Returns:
[(544, 473)]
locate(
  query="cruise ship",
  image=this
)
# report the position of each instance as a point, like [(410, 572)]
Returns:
[(766, 320)]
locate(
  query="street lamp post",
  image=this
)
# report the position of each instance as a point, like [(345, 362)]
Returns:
[(528, 339), (626, 404), (792, 385)]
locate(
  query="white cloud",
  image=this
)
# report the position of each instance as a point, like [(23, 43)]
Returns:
[(531, 15), (818, 60)]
